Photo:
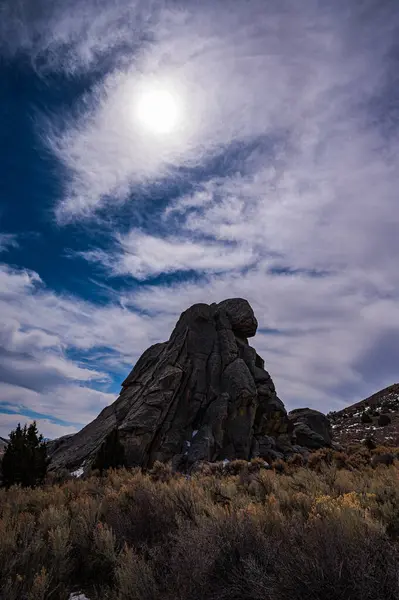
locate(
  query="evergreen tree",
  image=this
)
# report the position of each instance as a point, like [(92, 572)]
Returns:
[(111, 453), (25, 459)]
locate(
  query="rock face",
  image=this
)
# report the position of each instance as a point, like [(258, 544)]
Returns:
[(202, 396), (310, 428), (3, 445)]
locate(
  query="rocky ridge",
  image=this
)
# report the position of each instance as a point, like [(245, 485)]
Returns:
[(204, 395), (375, 417)]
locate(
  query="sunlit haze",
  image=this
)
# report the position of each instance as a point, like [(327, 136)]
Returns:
[(158, 110)]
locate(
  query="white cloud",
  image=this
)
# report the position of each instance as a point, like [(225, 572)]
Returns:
[(38, 330), (46, 427), (72, 40), (321, 330), (74, 322), (66, 402), (143, 256), (281, 72)]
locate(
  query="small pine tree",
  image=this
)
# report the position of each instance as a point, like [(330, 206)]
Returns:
[(111, 453), (25, 459)]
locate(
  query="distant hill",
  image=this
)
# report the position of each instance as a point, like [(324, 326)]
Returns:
[(202, 396), (350, 426)]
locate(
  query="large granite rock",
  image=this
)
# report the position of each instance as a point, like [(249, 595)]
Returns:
[(311, 428), (202, 396)]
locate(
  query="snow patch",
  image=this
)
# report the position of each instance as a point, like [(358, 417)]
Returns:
[(77, 596), (78, 473), (194, 433), (225, 462)]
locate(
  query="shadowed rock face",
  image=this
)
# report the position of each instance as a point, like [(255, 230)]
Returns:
[(311, 428), (202, 396)]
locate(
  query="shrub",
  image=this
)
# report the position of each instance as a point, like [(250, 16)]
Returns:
[(369, 443), (365, 418), (161, 472), (384, 420), (326, 532), (382, 459)]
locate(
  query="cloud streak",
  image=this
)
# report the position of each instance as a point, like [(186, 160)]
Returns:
[(39, 331), (144, 256), (288, 74), (280, 185)]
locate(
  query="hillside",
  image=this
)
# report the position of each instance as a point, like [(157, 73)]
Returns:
[(364, 419)]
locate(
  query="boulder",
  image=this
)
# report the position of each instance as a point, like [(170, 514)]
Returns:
[(202, 396), (311, 428)]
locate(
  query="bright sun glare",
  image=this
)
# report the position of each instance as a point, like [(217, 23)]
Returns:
[(158, 111)]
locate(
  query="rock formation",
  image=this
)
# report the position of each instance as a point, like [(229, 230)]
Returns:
[(202, 396), (310, 428)]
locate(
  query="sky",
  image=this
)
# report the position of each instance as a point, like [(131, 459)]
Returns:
[(156, 154)]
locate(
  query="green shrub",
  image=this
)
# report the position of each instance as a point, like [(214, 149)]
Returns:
[(365, 418)]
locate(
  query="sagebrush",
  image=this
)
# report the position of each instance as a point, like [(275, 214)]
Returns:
[(240, 532)]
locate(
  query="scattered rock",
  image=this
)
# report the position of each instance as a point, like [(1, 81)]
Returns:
[(349, 426)]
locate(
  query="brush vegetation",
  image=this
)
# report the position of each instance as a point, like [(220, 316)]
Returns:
[(325, 531)]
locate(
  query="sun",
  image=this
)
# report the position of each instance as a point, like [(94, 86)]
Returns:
[(157, 110)]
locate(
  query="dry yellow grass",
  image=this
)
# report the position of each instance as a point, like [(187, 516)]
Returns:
[(241, 533)]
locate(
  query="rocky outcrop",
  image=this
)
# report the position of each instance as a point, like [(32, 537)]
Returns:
[(202, 396), (360, 422), (53, 445), (3, 445), (311, 428)]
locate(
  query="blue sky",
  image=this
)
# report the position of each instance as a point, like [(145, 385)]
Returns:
[(278, 182)]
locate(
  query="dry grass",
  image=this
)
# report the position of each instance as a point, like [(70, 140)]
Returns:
[(329, 530)]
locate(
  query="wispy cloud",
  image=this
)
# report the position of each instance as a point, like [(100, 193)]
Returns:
[(7, 240), (39, 331), (284, 177), (142, 255), (289, 72), (47, 428)]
